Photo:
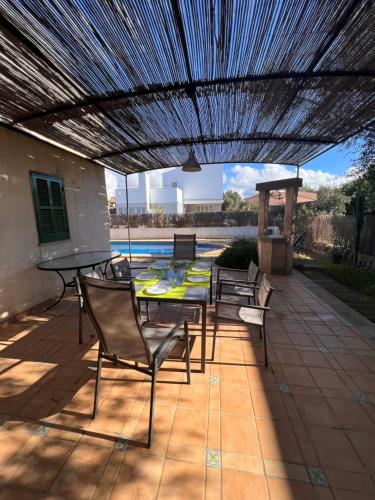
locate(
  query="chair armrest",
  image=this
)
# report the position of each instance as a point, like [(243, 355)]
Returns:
[(120, 278), (253, 306), (176, 327), (248, 284), (228, 303)]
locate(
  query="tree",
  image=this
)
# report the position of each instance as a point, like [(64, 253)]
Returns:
[(363, 146), (329, 201), (233, 202)]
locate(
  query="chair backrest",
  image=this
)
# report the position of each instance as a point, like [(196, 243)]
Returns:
[(94, 273), (112, 308), (184, 246), (253, 272), (265, 291), (121, 269)]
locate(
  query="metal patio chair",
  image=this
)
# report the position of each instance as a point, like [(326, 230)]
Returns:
[(250, 314), (112, 308), (184, 246), (242, 288), (121, 270), (94, 273)]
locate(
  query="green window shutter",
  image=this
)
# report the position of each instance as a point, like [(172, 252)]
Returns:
[(50, 207)]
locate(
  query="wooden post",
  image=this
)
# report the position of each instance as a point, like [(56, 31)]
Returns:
[(264, 198), (290, 213)]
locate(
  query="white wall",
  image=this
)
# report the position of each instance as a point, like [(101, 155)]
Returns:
[(22, 285), (205, 186)]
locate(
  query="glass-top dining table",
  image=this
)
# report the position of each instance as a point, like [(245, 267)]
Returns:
[(181, 282)]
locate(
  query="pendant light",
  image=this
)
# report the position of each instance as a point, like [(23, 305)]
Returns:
[(191, 164)]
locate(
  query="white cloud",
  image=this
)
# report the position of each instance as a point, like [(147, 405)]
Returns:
[(244, 178)]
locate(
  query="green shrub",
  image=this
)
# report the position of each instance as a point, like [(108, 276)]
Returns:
[(355, 277), (239, 254)]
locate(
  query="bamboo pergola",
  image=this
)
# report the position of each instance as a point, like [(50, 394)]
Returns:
[(134, 85)]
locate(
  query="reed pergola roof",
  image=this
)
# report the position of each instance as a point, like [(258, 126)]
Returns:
[(135, 85)]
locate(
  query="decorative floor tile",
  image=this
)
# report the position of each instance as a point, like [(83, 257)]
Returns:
[(213, 458), (122, 443), (317, 476), (43, 358), (41, 430), (284, 388), (214, 379), (359, 396)]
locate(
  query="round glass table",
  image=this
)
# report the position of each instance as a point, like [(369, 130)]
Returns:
[(76, 262)]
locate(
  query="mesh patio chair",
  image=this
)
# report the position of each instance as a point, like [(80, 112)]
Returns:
[(250, 314), (94, 273), (112, 308), (184, 246), (238, 287), (121, 270)]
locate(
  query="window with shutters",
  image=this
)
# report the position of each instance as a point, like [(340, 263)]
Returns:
[(50, 207)]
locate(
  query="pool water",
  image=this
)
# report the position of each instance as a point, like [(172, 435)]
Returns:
[(157, 247)]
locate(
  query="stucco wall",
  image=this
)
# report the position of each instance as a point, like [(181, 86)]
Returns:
[(22, 285)]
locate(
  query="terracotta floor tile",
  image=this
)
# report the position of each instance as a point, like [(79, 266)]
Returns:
[(185, 453), (163, 420), (182, 480), (350, 481), (350, 362), (330, 341), (238, 434), (286, 470), (277, 441), (315, 410), (138, 477), (302, 339), (107, 479), (327, 378), (233, 375), (268, 404), (334, 449), (81, 472), (213, 483), (364, 381), (314, 359), (236, 399), (355, 343), (189, 427), (364, 444), (369, 361), (284, 489), (242, 462), (243, 486), (298, 375), (350, 495), (194, 396), (45, 462), (289, 357), (351, 415)]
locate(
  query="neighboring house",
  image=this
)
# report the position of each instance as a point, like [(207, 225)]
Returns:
[(173, 191)]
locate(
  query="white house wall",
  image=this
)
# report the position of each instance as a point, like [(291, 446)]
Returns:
[(22, 285)]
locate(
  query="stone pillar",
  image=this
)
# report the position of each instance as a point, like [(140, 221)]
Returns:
[(264, 198)]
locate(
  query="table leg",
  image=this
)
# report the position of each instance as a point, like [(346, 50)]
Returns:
[(204, 329), (62, 294), (211, 288)]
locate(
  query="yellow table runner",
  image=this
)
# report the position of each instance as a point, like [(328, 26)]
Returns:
[(175, 293)]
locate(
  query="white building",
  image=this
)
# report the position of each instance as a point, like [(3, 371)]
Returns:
[(173, 191)]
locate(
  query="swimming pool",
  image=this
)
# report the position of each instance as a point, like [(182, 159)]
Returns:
[(157, 247)]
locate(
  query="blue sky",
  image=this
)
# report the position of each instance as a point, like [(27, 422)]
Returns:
[(328, 169)]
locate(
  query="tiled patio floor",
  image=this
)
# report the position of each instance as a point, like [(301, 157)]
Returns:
[(303, 429)]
